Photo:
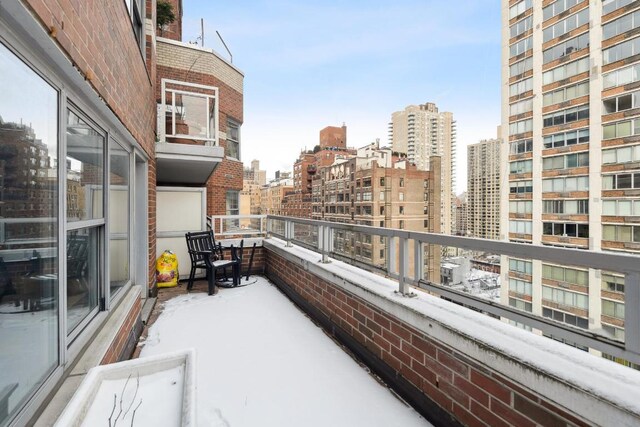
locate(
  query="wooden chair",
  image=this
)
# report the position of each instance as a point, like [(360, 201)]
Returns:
[(205, 254)]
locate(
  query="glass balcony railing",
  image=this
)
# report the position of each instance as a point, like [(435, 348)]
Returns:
[(570, 295)]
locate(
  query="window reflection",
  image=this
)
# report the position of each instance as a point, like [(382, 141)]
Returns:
[(82, 275), (85, 166), (28, 230)]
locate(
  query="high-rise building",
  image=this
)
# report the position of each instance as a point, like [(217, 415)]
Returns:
[(461, 214), (569, 114), (255, 174), (483, 189), (420, 132), (378, 189), (333, 137)]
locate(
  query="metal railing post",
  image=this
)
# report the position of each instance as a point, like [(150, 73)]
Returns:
[(324, 244), (262, 230), (288, 229), (391, 255), (418, 260), (631, 312), (403, 266)]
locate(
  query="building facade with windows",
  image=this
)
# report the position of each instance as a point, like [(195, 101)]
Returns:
[(420, 132), (569, 122), (483, 189), (97, 119), (377, 189)]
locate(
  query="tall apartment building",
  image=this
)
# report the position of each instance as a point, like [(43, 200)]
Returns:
[(255, 174), (420, 132), (376, 188), (570, 116), (461, 214), (483, 189)]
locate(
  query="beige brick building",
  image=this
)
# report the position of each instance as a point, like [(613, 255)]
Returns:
[(377, 189), (420, 132), (483, 189)]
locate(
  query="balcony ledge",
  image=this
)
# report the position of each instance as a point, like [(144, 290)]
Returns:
[(597, 389), (186, 163)]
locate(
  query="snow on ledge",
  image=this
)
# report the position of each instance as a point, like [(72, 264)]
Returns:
[(600, 390)]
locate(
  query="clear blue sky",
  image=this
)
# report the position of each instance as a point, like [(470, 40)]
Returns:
[(311, 64)]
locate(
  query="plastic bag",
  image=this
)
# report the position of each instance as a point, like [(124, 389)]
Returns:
[(167, 270)]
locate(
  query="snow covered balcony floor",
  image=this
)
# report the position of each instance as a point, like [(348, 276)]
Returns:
[(261, 361)]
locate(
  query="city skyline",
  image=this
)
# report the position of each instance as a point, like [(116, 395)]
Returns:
[(341, 65)]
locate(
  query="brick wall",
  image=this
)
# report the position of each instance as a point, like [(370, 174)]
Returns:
[(123, 344), (419, 367)]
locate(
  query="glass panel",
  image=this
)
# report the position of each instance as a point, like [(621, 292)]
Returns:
[(119, 214), (192, 117), (85, 166), (28, 242), (82, 275)]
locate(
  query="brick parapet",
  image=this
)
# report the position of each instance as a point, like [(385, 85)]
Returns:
[(466, 389)]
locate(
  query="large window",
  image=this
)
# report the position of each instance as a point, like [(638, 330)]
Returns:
[(29, 298), (521, 26), (565, 71), (119, 208), (520, 127), (520, 147), (565, 207), (520, 286), (557, 7), (521, 67), (621, 51), (565, 184), (565, 48), (519, 8), (621, 129), (521, 87), (562, 27), (609, 6), (520, 206), (622, 102), (520, 47), (621, 155), (521, 107), (85, 218), (621, 25), (566, 116), (136, 12), (563, 274), (562, 139), (621, 207), (565, 94), (566, 298), (233, 139), (621, 233), (521, 166), (568, 229), (574, 160), (621, 181), (613, 309), (622, 76), (520, 187), (520, 227)]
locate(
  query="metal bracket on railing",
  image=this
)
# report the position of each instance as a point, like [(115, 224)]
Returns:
[(324, 242), (403, 266), (288, 233)]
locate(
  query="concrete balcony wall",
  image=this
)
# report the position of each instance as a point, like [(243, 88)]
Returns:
[(454, 365)]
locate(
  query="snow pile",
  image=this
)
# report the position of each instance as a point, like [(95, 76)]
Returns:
[(262, 362)]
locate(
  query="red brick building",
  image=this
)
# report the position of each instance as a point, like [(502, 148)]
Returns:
[(137, 115)]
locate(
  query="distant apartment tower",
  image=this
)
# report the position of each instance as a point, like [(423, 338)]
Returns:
[(483, 189), (255, 174), (421, 131), (461, 214), (377, 189), (572, 171), (272, 195)]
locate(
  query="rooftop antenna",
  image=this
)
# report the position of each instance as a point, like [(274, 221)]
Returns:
[(225, 46), (202, 32)]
